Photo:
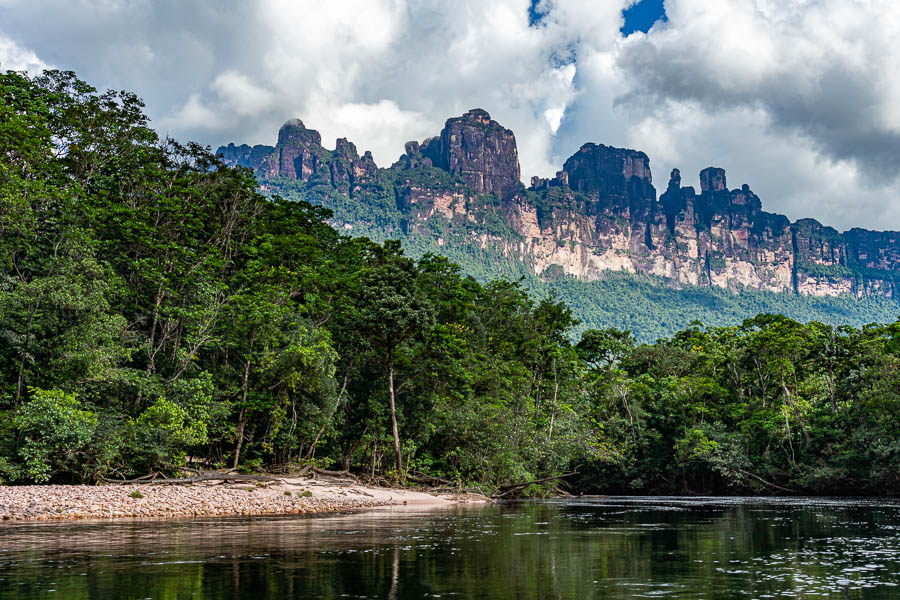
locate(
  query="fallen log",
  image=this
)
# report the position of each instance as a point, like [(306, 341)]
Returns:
[(229, 477), (456, 490), (768, 483), (328, 473), (503, 490), (429, 480)]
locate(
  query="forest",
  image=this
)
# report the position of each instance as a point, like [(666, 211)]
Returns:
[(157, 311), (649, 306)]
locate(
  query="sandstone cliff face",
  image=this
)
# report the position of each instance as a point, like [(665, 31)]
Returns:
[(348, 171), (620, 178), (244, 155), (299, 155), (600, 213), (480, 151)]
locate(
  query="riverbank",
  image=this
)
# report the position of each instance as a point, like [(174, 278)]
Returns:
[(287, 496)]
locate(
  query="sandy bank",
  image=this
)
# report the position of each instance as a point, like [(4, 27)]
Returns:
[(286, 497)]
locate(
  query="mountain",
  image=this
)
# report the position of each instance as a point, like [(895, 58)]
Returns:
[(598, 220)]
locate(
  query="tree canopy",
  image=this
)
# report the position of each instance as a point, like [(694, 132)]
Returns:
[(156, 310)]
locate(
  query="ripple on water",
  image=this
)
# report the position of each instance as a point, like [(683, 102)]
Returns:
[(690, 548)]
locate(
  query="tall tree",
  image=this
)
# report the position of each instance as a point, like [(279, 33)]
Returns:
[(391, 311)]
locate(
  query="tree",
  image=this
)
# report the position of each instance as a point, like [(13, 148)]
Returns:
[(392, 310)]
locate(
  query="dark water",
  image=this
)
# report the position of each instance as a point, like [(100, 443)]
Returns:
[(602, 548)]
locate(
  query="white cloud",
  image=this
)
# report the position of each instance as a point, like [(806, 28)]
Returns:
[(241, 95), (378, 124), (798, 98), (827, 69), (14, 57), (193, 115)]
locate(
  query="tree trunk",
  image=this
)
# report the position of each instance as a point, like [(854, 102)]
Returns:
[(555, 398), (394, 429), (312, 447), (151, 356), (20, 380), (242, 421), (345, 459), (240, 439), (795, 410), (830, 380)]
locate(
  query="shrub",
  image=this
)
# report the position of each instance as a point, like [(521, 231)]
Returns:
[(168, 428), (57, 436)]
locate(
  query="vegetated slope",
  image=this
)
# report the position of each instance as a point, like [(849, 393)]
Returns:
[(580, 233), (649, 306), (154, 306)]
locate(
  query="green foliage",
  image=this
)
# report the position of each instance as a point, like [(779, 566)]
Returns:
[(163, 429), (651, 309), (56, 436), (646, 305), (156, 309), (835, 272)]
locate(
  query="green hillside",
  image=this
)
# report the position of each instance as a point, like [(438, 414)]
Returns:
[(646, 305)]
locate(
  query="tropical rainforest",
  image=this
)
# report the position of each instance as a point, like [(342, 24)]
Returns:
[(157, 311)]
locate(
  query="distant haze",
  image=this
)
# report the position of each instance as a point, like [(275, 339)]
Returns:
[(798, 98)]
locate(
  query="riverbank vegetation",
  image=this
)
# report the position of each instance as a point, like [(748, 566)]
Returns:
[(155, 308)]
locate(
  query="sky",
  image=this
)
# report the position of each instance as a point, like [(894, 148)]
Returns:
[(800, 99)]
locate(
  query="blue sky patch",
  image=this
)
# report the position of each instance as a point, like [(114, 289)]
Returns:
[(642, 16), (534, 15)]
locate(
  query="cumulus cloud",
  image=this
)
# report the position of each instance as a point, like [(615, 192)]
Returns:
[(194, 115), (242, 95), (14, 57), (805, 91), (798, 98)]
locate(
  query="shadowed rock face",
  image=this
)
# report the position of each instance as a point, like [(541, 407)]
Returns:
[(616, 179), (300, 152), (479, 150), (599, 213), (244, 155), (347, 169), (712, 179), (299, 155), (600, 169)]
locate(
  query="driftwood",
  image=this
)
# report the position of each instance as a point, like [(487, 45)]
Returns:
[(456, 490), (430, 480), (503, 490), (328, 473), (378, 481), (768, 483), (227, 476)]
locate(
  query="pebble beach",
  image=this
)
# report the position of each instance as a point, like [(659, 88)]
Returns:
[(286, 497)]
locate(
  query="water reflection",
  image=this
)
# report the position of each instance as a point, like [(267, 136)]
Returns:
[(599, 548)]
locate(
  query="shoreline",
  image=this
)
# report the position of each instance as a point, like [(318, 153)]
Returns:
[(287, 496)]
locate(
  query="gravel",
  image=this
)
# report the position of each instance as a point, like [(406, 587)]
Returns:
[(67, 502)]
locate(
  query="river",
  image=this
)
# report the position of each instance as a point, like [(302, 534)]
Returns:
[(630, 547)]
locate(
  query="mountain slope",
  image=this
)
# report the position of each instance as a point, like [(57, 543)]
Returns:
[(596, 233)]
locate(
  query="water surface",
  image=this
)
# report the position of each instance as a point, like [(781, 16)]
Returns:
[(595, 548)]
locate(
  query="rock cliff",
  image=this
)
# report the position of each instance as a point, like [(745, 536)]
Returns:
[(480, 151), (600, 213), (299, 155)]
